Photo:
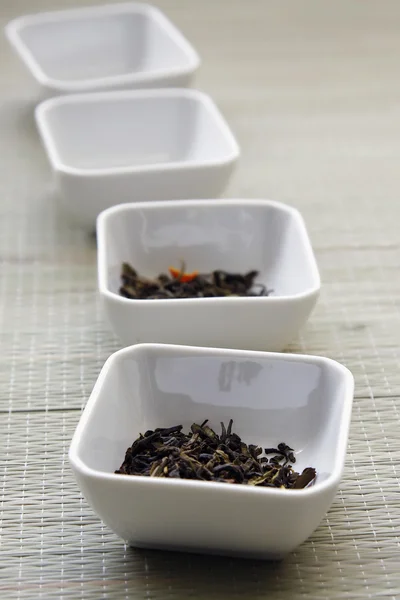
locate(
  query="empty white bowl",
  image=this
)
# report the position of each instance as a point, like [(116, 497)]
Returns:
[(234, 235), (130, 45), (108, 148), (304, 401)]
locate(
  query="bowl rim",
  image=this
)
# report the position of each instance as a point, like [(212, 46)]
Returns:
[(13, 28), (45, 130), (330, 483), (102, 251)]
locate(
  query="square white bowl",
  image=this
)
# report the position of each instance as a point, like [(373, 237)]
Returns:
[(234, 235), (129, 45), (304, 401), (108, 148)]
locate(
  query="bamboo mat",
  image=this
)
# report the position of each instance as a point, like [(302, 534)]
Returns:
[(312, 91)]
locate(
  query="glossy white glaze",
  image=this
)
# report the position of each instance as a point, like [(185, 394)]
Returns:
[(116, 46), (108, 148), (236, 235), (304, 401)]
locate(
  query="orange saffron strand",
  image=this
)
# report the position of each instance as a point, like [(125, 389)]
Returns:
[(184, 277)]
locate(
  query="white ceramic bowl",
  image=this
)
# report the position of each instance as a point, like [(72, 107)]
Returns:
[(130, 45), (235, 235), (108, 148), (304, 401)]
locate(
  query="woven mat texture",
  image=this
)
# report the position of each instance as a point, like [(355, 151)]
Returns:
[(311, 89)]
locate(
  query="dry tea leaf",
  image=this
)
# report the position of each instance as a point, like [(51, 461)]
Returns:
[(203, 455)]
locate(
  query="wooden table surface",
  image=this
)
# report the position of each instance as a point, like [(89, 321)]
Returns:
[(311, 89)]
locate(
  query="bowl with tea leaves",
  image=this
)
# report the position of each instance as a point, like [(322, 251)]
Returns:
[(213, 450), (222, 273)]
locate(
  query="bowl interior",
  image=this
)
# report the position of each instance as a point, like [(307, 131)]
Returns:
[(237, 237), (271, 398), (102, 44), (128, 131)]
